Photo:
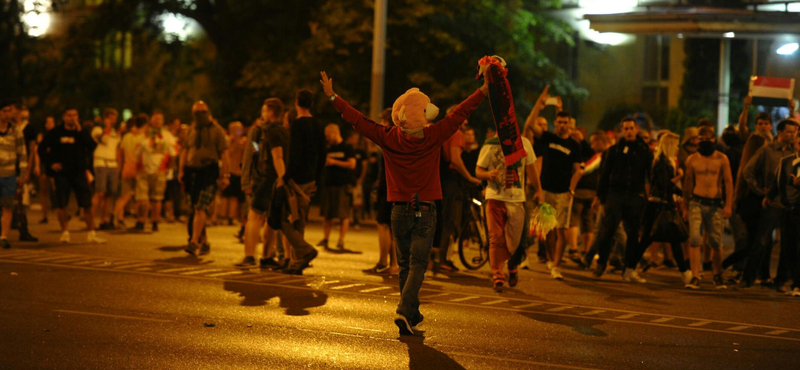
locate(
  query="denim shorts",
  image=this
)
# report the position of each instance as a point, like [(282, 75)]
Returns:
[(8, 189), (705, 219)]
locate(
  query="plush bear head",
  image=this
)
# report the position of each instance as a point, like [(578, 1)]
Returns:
[(413, 110)]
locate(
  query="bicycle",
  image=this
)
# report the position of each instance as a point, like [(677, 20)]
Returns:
[(473, 242)]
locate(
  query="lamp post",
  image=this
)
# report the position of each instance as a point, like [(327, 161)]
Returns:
[(378, 60)]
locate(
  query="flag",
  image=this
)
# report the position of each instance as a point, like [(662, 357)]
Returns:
[(771, 91)]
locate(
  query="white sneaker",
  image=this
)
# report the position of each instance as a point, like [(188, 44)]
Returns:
[(549, 265), (631, 275), (556, 274), (795, 292), (65, 236), (687, 276), (92, 238)]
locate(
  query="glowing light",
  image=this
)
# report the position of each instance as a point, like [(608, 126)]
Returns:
[(729, 35), (177, 27), (477, 202), (608, 6), (788, 49), (36, 16)]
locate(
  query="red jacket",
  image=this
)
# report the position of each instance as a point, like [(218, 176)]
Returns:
[(412, 163)]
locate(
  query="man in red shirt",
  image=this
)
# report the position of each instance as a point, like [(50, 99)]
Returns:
[(412, 152)]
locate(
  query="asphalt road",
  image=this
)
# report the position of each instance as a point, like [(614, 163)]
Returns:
[(140, 302)]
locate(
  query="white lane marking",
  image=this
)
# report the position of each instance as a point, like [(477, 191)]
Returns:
[(110, 315), (591, 313), (364, 329), (778, 332), (329, 282), (374, 289), (494, 302), (628, 316), (395, 293), (50, 258), (19, 253), (203, 271), (89, 262), (435, 296), (127, 263), (167, 271), (226, 273), (700, 323), (527, 305), (663, 319), (506, 359), (739, 328), (29, 255), (559, 309), (345, 286), (134, 265), (70, 259), (462, 299)]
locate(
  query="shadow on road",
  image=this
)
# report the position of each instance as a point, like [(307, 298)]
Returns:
[(421, 356), (580, 326), (172, 248), (342, 251), (295, 301), (186, 260)]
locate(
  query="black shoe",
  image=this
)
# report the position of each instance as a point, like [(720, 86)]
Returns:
[(105, 226), (192, 249), (583, 265), (138, 228), (155, 226), (323, 243), (718, 283), (403, 324), (284, 264), (498, 286), (247, 262), (735, 279), (4, 243), (417, 322), (303, 262), (448, 266), (43, 221), (375, 269), (205, 249), (290, 271), (513, 279), (268, 263), (600, 270), (616, 265), (27, 237)]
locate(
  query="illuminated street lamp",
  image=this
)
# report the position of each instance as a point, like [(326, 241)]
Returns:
[(36, 16), (788, 49)]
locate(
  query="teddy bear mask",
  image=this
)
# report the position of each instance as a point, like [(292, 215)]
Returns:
[(413, 110)]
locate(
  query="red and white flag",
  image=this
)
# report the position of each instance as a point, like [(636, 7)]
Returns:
[(771, 91)]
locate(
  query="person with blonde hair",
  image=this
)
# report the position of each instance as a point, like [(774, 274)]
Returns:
[(665, 176)]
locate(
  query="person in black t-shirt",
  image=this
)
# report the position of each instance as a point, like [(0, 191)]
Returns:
[(359, 173), (263, 168), (64, 151), (339, 165), (561, 171)]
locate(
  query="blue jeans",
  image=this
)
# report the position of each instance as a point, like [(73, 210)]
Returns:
[(414, 238)]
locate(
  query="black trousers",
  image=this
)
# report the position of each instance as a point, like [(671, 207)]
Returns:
[(620, 207), (651, 211)]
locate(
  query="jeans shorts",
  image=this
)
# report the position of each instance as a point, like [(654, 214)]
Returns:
[(8, 189), (106, 180), (706, 219)]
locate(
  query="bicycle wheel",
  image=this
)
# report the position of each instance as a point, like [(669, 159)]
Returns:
[(473, 244)]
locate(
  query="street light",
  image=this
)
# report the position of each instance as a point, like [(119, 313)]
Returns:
[(36, 17), (729, 35), (788, 49)]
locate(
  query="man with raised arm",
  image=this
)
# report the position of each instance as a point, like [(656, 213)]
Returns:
[(412, 152)]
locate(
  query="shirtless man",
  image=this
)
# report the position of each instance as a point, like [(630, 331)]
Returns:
[(704, 207)]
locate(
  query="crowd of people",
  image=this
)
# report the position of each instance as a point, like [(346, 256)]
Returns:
[(626, 200)]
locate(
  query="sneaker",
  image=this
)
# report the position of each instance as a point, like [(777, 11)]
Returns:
[(93, 239), (105, 226), (323, 243), (403, 325), (513, 279), (65, 237), (418, 322), (303, 262), (498, 286), (555, 274), (686, 276), (383, 271), (780, 287), (549, 265), (192, 248), (205, 249), (27, 237), (630, 275), (693, 284), (718, 283), (4, 242), (138, 228), (375, 270), (283, 265), (736, 278), (155, 226), (795, 292), (268, 263), (599, 270), (448, 266), (247, 262)]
